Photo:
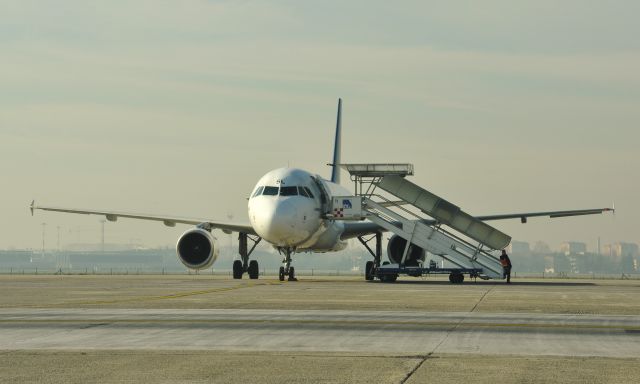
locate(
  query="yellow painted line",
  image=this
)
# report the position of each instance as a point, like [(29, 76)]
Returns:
[(173, 295), (322, 322), (159, 297)]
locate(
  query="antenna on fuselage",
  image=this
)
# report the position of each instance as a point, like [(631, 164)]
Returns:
[(337, 144)]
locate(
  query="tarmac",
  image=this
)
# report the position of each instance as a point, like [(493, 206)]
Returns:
[(215, 329)]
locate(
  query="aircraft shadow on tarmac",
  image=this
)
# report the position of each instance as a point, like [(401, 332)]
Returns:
[(481, 282)]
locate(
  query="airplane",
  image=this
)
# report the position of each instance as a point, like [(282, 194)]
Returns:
[(288, 209)]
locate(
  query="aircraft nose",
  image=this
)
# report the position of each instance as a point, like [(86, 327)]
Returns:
[(281, 221)]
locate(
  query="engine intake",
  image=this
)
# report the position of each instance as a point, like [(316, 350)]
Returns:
[(395, 250), (197, 249)]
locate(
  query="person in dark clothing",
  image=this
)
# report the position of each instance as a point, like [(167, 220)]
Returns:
[(506, 266)]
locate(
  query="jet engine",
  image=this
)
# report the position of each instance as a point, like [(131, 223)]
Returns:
[(197, 249), (395, 250)]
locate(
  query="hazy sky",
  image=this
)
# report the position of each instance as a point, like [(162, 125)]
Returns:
[(179, 107)]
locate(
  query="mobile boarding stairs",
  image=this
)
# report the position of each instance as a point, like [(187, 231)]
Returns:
[(468, 249)]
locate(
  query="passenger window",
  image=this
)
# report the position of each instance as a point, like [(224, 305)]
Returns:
[(270, 191), (308, 192), (288, 191), (302, 192), (258, 191)]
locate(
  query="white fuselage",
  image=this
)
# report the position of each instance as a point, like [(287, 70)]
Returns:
[(286, 210)]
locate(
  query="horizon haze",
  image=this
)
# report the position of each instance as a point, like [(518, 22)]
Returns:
[(179, 108)]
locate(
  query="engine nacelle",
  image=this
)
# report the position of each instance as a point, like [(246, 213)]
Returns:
[(395, 250), (197, 249)]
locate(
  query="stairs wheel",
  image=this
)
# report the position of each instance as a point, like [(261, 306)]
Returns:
[(456, 277)]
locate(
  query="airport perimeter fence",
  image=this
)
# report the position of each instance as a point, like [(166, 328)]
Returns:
[(147, 271), (299, 272)]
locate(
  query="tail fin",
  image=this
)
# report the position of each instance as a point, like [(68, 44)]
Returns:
[(335, 164)]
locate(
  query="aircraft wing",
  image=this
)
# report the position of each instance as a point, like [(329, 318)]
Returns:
[(356, 229), (169, 221), (552, 214)]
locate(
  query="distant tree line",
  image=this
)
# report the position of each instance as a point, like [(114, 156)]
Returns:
[(166, 259)]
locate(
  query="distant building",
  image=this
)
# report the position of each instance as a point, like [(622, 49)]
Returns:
[(541, 247), (549, 264), (18, 257), (97, 247), (619, 250), (573, 248), (519, 248), (626, 255)]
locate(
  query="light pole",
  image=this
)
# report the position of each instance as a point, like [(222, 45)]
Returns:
[(103, 221), (43, 228)]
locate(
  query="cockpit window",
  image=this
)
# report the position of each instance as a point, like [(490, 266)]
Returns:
[(258, 191), (283, 191), (270, 191), (288, 191), (302, 192), (308, 192)]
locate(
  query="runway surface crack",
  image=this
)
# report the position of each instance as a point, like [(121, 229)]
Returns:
[(457, 324), (415, 369), (482, 298), (94, 325)]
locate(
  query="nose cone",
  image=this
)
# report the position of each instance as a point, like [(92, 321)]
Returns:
[(278, 223), (281, 220)]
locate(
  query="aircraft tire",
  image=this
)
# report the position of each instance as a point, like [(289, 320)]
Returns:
[(254, 270), (368, 271), (281, 274), (237, 269), (292, 274)]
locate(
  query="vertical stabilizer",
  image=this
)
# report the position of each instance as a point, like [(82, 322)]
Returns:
[(335, 164)]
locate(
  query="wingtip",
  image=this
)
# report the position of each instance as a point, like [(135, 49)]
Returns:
[(612, 209), (32, 206)]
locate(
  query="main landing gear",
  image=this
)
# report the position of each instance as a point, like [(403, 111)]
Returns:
[(286, 269), (244, 265)]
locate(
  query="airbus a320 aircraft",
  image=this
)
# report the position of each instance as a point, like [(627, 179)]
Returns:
[(288, 209)]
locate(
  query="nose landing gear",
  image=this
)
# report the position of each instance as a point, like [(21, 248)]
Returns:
[(286, 269)]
